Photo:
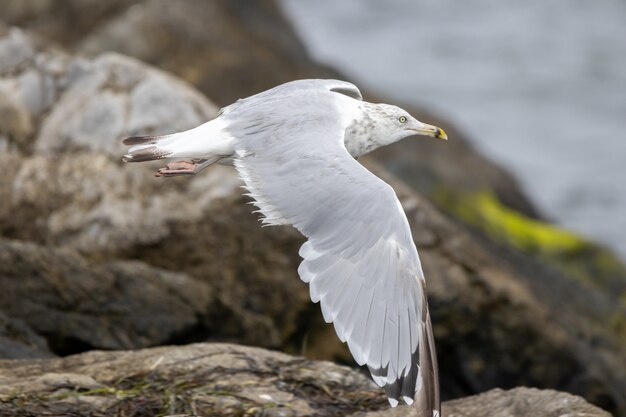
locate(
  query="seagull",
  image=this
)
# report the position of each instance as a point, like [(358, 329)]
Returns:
[(295, 148)]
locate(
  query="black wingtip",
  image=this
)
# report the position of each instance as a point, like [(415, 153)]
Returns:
[(393, 390), (139, 140)]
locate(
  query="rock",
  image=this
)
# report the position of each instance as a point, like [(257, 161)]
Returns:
[(40, 76), (517, 402), (522, 402), (65, 21), (57, 192), (18, 340), (96, 102), (89, 202), (80, 305), (34, 74), (15, 123), (15, 49), (226, 49), (208, 379), (231, 380), (117, 97)]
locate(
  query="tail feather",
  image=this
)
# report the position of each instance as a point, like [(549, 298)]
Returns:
[(145, 153), (205, 142)]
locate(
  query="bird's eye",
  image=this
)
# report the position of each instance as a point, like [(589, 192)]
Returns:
[(402, 119)]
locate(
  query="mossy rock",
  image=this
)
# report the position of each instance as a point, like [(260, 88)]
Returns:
[(577, 257)]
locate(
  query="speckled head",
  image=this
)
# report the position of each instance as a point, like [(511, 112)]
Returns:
[(382, 124)]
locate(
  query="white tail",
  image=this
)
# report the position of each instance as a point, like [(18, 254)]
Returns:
[(207, 142)]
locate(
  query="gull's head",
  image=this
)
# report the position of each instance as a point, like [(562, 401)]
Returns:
[(383, 124), (397, 124)]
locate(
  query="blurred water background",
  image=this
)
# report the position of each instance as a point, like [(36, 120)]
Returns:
[(540, 86)]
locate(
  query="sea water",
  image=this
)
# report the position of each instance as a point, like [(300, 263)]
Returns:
[(539, 85)]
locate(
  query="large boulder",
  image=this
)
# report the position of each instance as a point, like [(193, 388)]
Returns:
[(96, 102), (230, 380), (522, 402), (516, 402), (79, 305), (67, 185)]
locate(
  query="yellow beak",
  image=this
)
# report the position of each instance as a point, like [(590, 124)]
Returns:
[(432, 131)]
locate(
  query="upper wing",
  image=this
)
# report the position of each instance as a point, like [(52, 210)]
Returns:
[(360, 260), (336, 86)]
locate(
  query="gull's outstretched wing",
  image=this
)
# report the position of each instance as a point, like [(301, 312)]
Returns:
[(297, 86), (360, 260)]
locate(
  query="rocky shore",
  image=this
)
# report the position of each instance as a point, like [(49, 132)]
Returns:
[(97, 255), (231, 380)]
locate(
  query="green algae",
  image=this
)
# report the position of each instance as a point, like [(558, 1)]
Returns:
[(484, 210), (571, 253)]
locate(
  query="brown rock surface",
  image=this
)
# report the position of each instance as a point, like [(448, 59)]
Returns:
[(523, 402), (78, 305), (516, 402), (18, 340), (230, 380), (64, 21)]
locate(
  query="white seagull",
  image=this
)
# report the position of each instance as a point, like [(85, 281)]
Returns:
[(294, 147)]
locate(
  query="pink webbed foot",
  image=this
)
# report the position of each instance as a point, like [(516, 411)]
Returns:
[(179, 168)]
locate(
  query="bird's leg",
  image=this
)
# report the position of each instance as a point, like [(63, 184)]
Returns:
[(183, 168)]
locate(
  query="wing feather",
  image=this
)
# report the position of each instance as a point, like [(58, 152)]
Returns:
[(360, 260)]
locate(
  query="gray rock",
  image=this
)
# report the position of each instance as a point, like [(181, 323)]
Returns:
[(96, 102), (226, 49), (73, 190), (517, 402), (15, 50), (65, 21), (18, 340), (230, 380), (522, 402), (15, 124), (90, 202), (112, 305), (115, 98)]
